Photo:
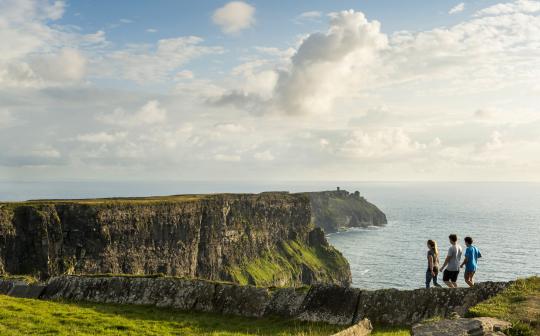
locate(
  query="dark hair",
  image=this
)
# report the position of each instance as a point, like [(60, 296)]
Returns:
[(468, 240), (453, 237)]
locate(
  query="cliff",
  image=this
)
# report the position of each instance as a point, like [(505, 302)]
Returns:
[(332, 210), (265, 239)]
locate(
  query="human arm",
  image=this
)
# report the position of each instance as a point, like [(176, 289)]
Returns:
[(468, 254), (430, 264), (446, 261), (464, 261)]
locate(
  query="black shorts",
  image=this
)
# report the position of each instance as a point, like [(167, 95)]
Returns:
[(450, 275)]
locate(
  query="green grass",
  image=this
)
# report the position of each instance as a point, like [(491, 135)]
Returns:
[(26, 278), (391, 332), (284, 265), (519, 304), (37, 317)]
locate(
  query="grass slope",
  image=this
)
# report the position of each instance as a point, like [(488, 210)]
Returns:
[(519, 304), (36, 317), (285, 265)]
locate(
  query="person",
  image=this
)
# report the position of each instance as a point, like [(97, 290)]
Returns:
[(472, 253), (453, 257), (433, 264)]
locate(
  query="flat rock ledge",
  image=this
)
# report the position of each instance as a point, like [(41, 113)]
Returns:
[(319, 303), (361, 328), (479, 326)]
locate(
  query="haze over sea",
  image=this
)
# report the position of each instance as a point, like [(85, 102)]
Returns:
[(503, 219)]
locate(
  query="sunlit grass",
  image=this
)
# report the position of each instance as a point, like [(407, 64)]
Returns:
[(37, 317), (519, 304)]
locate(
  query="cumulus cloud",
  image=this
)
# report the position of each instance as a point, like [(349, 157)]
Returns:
[(234, 17), (353, 58), (67, 65), (149, 113), (320, 68), (457, 8), (384, 143), (387, 105), (519, 6)]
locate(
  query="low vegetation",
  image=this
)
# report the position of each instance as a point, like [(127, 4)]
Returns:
[(519, 304), (37, 317), (286, 263)]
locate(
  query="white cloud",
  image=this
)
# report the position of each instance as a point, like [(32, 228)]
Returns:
[(230, 128), (36, 53), (149, 113), (67, 65), (7, 119), (151, 30), (234, 17), (385, 143), (101, 137), (264, 156), (45, 151), (321, 67), (148, 63), (457, 8), (227, 157), (308, 16), (184, 74), (519, 6)]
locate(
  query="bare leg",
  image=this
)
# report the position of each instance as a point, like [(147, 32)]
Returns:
[(450, 284), (469, 278)]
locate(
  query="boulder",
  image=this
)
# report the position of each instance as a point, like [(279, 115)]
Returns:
[(361, 328), (27, 291), (331, 304), (462, 327)]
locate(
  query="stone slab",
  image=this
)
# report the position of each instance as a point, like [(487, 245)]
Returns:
[(27, 291)]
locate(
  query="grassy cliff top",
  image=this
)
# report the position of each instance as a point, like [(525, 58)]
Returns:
[(147, 199), (519, 304)]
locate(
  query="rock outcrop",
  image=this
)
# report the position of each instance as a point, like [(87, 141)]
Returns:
[(317, 303), (264, 239), (334, 210), (478, 326), (361, 328)]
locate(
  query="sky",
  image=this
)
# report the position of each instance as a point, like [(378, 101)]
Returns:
[(372, 90)]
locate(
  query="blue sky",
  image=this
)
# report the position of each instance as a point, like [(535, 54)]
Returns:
[(277, 23), (267, 90)]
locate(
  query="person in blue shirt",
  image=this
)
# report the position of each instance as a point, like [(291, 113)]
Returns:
[(472, 253)]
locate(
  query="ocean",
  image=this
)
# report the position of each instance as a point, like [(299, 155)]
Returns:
[(502, 218)]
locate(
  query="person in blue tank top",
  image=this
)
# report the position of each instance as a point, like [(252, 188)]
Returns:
[(472, 253)]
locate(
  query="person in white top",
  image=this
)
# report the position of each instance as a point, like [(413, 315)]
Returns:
[(451, 263)]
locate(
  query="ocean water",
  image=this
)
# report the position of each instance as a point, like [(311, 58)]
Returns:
[(502, 218)]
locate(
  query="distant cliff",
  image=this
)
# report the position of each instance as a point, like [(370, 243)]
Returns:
[(265, 239), (332, 210)]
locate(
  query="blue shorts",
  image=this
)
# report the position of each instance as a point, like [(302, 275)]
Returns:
[(469, 270)]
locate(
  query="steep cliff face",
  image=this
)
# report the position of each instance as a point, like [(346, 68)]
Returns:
[(332, 210), (265, 239)]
